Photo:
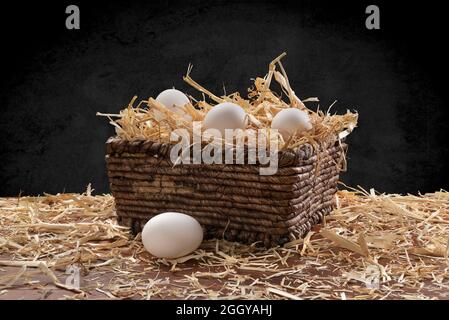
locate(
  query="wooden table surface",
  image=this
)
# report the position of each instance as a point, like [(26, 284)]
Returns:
[(371, 247)]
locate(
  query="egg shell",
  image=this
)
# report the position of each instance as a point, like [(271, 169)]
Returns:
[(172, 99), (172, 235), (291, 120), (226, 115)]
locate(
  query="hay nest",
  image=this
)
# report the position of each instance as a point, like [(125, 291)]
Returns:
[(141, 120), (373, 246)]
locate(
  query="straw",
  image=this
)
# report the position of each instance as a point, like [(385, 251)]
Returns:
[(373, 246)]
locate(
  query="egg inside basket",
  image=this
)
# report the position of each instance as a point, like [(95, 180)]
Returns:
[(230, 200)]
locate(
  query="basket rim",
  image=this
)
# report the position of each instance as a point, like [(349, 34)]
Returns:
[(116, 145)]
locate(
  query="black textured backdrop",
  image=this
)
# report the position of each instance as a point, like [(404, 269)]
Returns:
[(54, 80)]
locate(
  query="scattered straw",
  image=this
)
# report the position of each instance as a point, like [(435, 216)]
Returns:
[(374, 246)]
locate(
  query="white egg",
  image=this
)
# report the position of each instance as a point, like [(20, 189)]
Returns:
[(172, 99), (172, 235), (225, 115), (291, 120)]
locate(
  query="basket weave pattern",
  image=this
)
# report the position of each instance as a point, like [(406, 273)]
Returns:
[(230, 201)]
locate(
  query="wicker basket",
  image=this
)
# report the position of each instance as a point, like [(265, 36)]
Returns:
[(230, 201)]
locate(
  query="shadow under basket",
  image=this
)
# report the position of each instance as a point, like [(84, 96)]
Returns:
[(230, 201)]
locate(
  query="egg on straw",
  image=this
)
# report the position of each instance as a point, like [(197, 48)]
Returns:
[(290, 121), (174, 100)]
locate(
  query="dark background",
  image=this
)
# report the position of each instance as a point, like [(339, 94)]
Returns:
[(54, 80)]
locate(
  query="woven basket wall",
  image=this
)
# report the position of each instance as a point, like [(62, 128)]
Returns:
[(230, 201)]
